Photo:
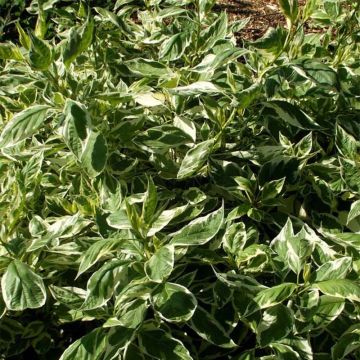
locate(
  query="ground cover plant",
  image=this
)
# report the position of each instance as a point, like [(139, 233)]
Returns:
[(169, 191)]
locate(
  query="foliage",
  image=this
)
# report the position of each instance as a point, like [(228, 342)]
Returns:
[(169, 194)]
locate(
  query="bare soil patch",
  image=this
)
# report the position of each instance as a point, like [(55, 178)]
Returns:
[(262, 13)]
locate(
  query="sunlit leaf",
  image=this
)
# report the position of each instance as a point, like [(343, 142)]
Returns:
[(22, 288), (23, 125), (195, 158), (342, 288), (175, 303), (200, 230), (159, 267), (90, 346), (78, 41)]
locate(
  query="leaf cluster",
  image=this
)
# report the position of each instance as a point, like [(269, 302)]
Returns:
[(169, 193)]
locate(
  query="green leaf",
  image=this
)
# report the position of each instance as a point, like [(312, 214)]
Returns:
[(40, 53), (77, 124), (234, 238), (23, 125), (346, 143), (10, 52), (165, 218), (70, 296), (88, 145), (291, 114), (245, 355), (131, 315), (174, 47), (274, 295), (238, 25), (118, 338), (150, 202), (95, 252), (309, 8), (94, 153), (62, 228), (247, 96), (341, 288), (345, 239), (285, 352), (171, 11), (78, 41), (163, 137), (216, 31), (272, 189), (156, 120), (22, 288), (135, 289), (327, 310), (23, 36), (175, 303), (113, 18), (278, 168), (159, 267), (195, 159), (354, 211), (245, 184), (209, 329), (134, 218), (89, 347), (187, 126), (293, 249), (336, 269), (149, 99), (148, 68), (41, 25), (300, 345), (100, 286), (273, 40), (119, 220), (350, 173), (238, 212), (290, 9), (200, 230), (161, 345), (253, 258), (324, 192), (205, 6), (347, 343), (211, 62), (320, 73), (304, 146), (276, 323), (196, 88)]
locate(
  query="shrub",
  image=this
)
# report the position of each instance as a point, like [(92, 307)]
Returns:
[(169, 191)]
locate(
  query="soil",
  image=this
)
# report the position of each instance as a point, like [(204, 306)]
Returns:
[(262, 13)]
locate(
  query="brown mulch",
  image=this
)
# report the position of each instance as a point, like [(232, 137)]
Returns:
[(262, 13)]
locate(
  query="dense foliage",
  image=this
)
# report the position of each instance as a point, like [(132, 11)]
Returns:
[(168, 191)]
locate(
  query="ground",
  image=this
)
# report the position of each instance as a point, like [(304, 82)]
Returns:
[(262, 14)]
